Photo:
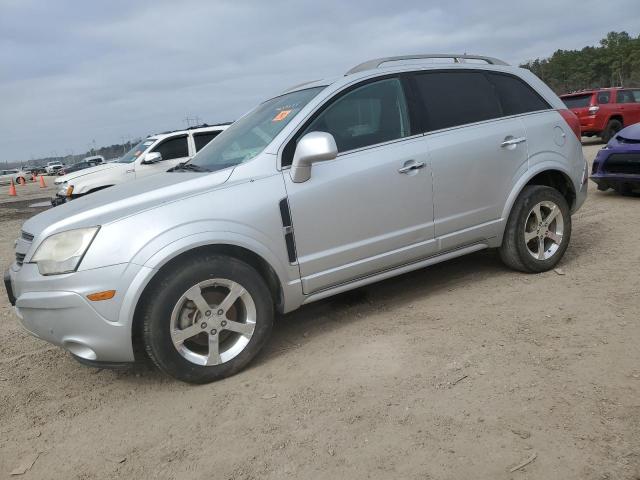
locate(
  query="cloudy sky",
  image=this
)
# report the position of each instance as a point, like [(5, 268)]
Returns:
[(72, 72)]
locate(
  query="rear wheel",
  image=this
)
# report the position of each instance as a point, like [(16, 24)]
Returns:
[(613, 127), (207, 319), (538, 230)]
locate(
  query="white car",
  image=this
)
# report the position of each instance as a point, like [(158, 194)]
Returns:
[(7, 175), (154, 154), (53, 167)]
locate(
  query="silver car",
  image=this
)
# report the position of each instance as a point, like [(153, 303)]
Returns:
[(399, 164)]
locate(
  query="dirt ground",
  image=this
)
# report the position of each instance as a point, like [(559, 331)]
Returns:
[(464, 370)]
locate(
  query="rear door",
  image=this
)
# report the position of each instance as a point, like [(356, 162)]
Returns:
[(476, 155)]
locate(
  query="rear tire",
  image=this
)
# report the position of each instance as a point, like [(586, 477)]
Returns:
[(206, 318), (613, 127), (538, 230)]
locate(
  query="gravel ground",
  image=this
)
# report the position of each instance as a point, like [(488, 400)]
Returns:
[(461, 370)]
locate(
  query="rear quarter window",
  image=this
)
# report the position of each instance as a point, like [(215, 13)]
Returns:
[(516, 96)]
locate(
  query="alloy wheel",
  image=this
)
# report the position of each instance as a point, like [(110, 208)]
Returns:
[(543, 230), (213, 322)]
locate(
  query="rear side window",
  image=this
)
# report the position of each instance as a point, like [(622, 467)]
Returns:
[(175, 147), (625, 96), (636, 95), (603, 97), (371, 114), (516, 96), (201, 139), (456, 98), (577, 101)]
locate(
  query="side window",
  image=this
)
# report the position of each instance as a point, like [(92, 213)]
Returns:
[(603, 97), (625, 96), (201, 139), (516, 96), (636, 95), (175, 147), (456, 98), (371, 114)]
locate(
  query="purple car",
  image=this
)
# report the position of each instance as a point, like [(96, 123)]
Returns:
[(617, 165)]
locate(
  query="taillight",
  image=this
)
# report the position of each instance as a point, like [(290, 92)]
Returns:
[(593, 109), (572, 120)]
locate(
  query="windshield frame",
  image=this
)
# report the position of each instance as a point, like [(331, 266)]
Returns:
[(259, 115), (153, 141)]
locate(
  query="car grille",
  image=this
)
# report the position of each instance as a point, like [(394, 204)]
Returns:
[(623, 163), (26, 236), (20, 258)]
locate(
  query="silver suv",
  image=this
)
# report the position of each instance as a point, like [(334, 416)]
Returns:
[(399, 164)]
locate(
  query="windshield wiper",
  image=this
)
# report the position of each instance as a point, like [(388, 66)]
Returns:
[(189, 167)]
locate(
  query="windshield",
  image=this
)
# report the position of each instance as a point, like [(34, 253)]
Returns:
[(577, 101), (247, 137), (136, 151)]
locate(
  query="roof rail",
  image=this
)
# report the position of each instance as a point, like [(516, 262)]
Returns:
[(375, 63)]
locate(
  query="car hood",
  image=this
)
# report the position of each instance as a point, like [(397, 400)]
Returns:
[(114, 203), (632, 132), (90, 170)]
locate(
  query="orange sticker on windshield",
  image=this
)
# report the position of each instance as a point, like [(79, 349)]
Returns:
[(281, 115)]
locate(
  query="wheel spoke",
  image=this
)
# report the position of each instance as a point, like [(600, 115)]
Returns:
[(214, 350), (552, 215), (555, 237), (179, 336), (541, 249), (234, 292), (195, 295), (241, 328), (528, 236)]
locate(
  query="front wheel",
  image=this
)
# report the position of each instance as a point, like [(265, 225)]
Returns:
[(207, 318), (538, 230)]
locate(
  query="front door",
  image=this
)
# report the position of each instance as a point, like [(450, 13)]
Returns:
[(371, 208)]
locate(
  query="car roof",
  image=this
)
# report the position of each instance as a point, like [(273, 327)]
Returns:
[(197, 129)]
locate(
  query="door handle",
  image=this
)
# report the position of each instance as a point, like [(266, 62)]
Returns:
[(130, 171), (411, 166), (513, 141)]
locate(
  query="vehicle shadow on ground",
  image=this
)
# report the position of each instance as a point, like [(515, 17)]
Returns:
[(306, 324)]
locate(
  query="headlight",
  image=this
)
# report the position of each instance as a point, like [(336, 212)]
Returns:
[(63, 252)]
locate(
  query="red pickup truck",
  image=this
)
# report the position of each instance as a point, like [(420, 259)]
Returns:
[(604, 111)]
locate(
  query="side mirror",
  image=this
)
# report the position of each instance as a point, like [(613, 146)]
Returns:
[(151, 157), (313, 147)]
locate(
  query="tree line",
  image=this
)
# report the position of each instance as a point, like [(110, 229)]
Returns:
[(614, 63)]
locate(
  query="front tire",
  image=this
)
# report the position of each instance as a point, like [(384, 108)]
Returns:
[(538, 230), (206, 318), (613, 127)]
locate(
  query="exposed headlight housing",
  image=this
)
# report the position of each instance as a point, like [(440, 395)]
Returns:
[(63, 252)]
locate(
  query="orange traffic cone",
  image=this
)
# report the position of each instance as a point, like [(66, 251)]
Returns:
[(42, 184), (12, 189)]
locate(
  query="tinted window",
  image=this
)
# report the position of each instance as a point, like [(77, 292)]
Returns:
[(515, 95), (371, 114), (456, 98), (636, 95), (625, 96), (173, 148), (604, 97), (577, 101), (202, 139)]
